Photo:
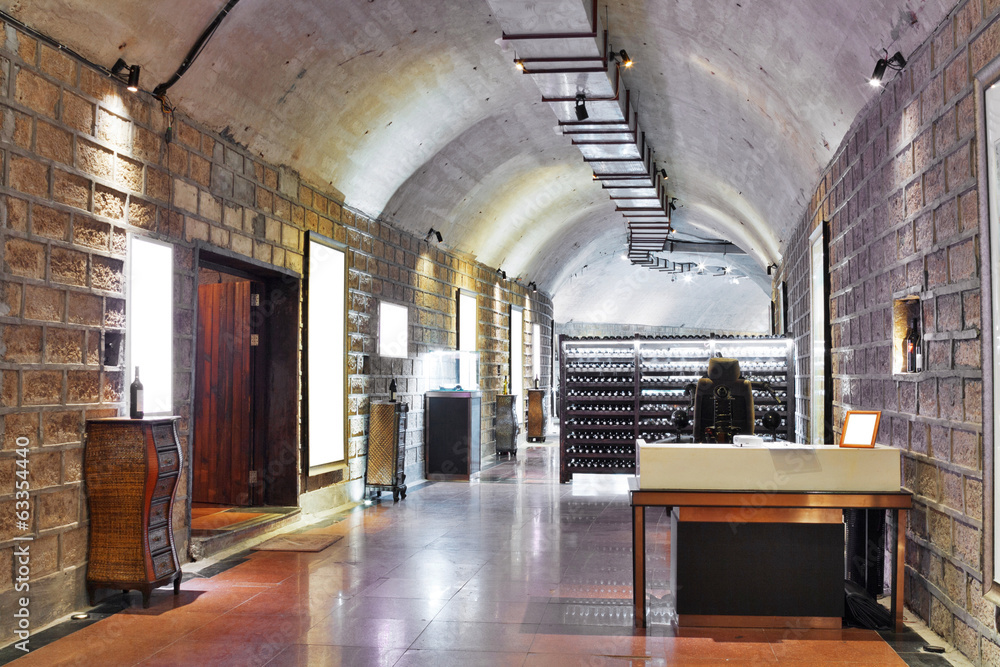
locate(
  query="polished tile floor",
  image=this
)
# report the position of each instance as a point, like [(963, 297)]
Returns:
[(511, 569)]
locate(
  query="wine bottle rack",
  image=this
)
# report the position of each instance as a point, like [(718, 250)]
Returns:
[(616, 390)]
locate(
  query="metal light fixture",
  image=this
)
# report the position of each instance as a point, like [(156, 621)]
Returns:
[(533, 286), (433, 233), (771, 268), (581, 107), (895, 62), (622, 57), (133, 74), (501, 273), (673, 206), (663, 173), (133, 79)]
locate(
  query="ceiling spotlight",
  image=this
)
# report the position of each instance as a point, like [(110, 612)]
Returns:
[(118, 67), (663, 173), (501, 273), (133, 79), (625, 258), (433, 233), (727, 269), (581, 107), (519, 64), (688, 278), (771, 268), (701, 267), (533, 286), (673, 206), (896, 62)]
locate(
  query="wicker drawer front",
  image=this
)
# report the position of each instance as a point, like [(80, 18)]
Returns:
[(164, 487), (163, 564), (158, 513), (158, 539), (163, 436), (169, 460)]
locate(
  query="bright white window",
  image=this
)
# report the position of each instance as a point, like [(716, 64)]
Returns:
[(150, 323), (817, 347), (326, 352), (467, 317), (536, 351), (517, 357), (393, 340), (992, 102)]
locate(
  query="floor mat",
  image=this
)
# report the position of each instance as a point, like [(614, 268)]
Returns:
[(298, 543)]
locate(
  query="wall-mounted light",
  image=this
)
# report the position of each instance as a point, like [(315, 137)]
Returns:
[(433, 233), (771, 268), (673, 205), (533, 286), (132, 81), (896, 62), (581, 107), (663, 173), (518, 63), (501, 273), (621, 57)]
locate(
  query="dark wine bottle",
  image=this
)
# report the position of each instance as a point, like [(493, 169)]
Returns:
[(911, 347), (135, 397), (392, 390)]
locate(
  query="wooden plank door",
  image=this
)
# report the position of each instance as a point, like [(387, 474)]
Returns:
[(224, 395)]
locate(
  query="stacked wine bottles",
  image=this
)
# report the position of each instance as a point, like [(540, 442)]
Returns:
[(615, 390)]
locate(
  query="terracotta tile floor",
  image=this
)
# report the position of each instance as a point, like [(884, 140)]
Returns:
[(511, 569)]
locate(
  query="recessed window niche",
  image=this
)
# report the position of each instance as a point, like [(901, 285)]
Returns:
[(905, 312)]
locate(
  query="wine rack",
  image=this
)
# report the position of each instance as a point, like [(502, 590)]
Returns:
[(616, 390)]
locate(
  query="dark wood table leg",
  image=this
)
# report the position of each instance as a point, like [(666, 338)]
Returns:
[(639, 564), (898, 570)]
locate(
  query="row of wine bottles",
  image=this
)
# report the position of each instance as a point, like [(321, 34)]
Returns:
[(600, 435), (577, 448), (596, 465)]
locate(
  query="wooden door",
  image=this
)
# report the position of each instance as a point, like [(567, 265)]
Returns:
[(223, 444)]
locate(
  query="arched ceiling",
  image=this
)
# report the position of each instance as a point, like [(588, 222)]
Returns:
[(414, 112)]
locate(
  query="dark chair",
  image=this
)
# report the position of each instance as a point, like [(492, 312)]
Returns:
[(723, 404)]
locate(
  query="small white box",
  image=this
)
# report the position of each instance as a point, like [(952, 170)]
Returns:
[(748, 441)]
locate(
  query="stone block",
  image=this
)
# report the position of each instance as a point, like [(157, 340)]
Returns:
[(71, 189), (22, 344), (185, 196), (114, 313), (9, 396), (968, 542), (36, 93), (24, 130), (57, 64), (188, 136), (49, 222), (20, 425), (77, 113), (128, 174), (72, 466), (265, 200), (968, 354), (958, 168), (16, 212), (946, 219), (939, 525), (114, 129), (210, 207), (64, 346), (147, 146), (108, 274), (10, 299), (201, 170), (83, 386), (283, 208), (973, 401), (243, 191), (965, 450), (54, 143), (42, 388), (91, 233), (971, 309), (219, 237), (157, 184), (974, 499), (241, 244), (963, 261), (141, 214), (29, 176), (108, 202), (85, 309), (195, 229), (60, 508), (68, 267), (24, 258)]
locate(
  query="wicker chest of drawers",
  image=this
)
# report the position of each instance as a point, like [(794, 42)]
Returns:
[(131, 468)]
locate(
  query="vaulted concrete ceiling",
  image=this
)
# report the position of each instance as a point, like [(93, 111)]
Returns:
[(414, 112)]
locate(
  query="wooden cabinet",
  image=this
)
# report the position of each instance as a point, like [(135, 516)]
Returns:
[(452, 423), (385, 463), (131, 468), (536, 415)]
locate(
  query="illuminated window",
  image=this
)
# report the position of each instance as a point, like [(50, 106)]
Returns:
[(517, 356), (536, 351), (326, 352), (150, 323), (393, 323)]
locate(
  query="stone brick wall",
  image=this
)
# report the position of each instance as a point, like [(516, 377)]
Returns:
[(85, 163), (900, 200)]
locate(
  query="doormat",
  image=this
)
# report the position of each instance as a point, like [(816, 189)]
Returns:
[(298, 543)]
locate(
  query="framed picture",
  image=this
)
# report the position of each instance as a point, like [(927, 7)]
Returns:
[(860, 428)]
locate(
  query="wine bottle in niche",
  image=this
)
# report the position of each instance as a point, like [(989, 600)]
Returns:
[(135, 397), (392, 390), (911, 348)]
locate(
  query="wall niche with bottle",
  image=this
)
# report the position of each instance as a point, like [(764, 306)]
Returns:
[(907, 336)]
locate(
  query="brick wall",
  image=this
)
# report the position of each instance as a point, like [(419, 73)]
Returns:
[(84, 164), (900, 202)]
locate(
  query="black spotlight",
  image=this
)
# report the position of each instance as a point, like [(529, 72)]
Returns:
[(663, 173), (133, 79), (895, 62), (673, 206), (433, 233), (118, 67), (533, 286), (581, 107)]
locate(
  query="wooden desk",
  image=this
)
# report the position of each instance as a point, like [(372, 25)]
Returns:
[(640, 499)]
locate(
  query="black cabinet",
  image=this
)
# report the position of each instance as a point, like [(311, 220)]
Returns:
[(452, 423)]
